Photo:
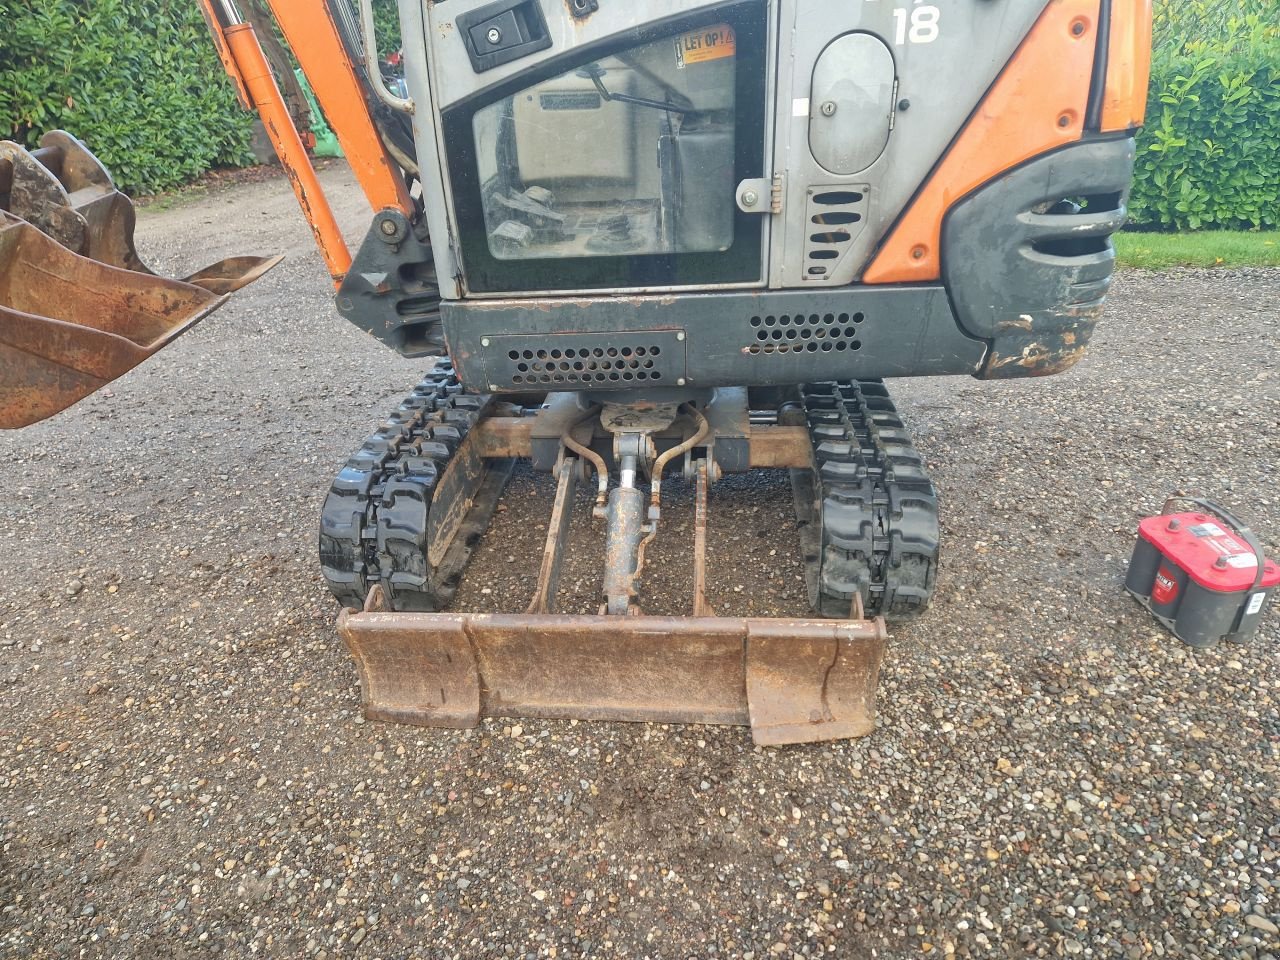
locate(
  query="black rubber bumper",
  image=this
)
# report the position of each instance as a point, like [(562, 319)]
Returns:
[(1027, 258)]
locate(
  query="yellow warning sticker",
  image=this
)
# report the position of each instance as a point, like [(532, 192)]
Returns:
[(710, 43)]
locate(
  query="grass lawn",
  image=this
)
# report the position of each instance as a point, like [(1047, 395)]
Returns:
[(1211, 248)]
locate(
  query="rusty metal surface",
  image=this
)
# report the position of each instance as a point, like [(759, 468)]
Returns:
[(801, 690), (791, 681), (69, 324), (504, 436), (702, 429), (36, 195), (780, 446), (770, 445), (624, 520), (701, 608), (402, 681), (78, 308), (453, 497), (584, 424), (544, 595), (45, 155), (231, 274), (62, 189), (484, 501)]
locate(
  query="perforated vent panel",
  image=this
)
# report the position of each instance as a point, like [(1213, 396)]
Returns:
[(806, 333), (833, 217), (590, 360)]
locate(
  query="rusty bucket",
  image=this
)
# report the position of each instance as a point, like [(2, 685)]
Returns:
[(69, 324), (62, 189), (78, 308)]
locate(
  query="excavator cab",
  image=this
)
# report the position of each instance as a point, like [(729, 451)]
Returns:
[(682, 237)]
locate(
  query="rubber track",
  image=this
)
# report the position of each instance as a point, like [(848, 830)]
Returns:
[(877, 508), (373, 526)]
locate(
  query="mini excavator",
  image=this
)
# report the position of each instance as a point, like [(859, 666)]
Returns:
[(633, 241)]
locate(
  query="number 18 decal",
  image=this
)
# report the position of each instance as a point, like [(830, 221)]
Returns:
[(917, 25)]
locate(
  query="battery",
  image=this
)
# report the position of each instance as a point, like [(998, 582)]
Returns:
[(1202, 574)]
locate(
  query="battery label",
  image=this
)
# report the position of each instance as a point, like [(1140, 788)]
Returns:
[(1206, 530), (1166, 588), (1242, 561), (1235, 553), (709, 43), (1255, 604)]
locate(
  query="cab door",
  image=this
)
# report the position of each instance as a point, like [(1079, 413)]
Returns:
[(609, 153)]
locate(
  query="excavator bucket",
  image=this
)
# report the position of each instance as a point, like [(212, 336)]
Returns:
[(69, 325), (78, 307)]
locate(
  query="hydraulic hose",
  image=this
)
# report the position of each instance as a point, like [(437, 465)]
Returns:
[(597, 461)]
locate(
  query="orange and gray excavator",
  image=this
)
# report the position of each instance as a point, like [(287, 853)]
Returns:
[(679, 238)]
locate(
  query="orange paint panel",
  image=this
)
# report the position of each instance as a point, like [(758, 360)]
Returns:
[(1124, 101), (224, 54), (308, 27), (251, 66), (1036, 105)]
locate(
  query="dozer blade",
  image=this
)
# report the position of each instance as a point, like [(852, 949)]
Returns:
[(69, 325), (62, 189), (791, 681)]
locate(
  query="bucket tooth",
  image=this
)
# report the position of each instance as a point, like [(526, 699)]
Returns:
[(62, 189)]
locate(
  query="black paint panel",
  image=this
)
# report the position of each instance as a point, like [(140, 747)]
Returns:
[(743, 338)]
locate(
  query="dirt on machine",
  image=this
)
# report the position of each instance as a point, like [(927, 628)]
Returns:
[(635, 242)]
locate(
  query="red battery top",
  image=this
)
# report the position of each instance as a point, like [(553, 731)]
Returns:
[(1211, 554)]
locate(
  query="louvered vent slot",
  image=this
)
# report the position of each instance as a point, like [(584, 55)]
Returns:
[(833, 217)]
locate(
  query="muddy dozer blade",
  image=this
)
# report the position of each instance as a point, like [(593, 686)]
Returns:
[(63, 190), (69, 324), (791, 681)]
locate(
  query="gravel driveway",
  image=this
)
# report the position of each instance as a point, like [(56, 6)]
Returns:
[(184, 773)]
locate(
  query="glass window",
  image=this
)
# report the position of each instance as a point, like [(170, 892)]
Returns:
[(628, 155)]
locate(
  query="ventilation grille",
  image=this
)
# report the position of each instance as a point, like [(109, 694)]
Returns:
[(833, 217), (806, 333), (577, 360), (1060, 228), (587, 364)]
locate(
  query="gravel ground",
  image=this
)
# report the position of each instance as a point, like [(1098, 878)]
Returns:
[(184, 773)]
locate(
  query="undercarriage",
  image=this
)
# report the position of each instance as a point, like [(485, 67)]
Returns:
[(405, 513)]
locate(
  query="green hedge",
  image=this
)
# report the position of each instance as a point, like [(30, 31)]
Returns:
[(386, 20), (137, 80), (1209, 155)]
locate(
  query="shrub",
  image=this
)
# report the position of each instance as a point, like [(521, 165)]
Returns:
[(1197, 27), (137, 80), (386, 19), (1209, 155)]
